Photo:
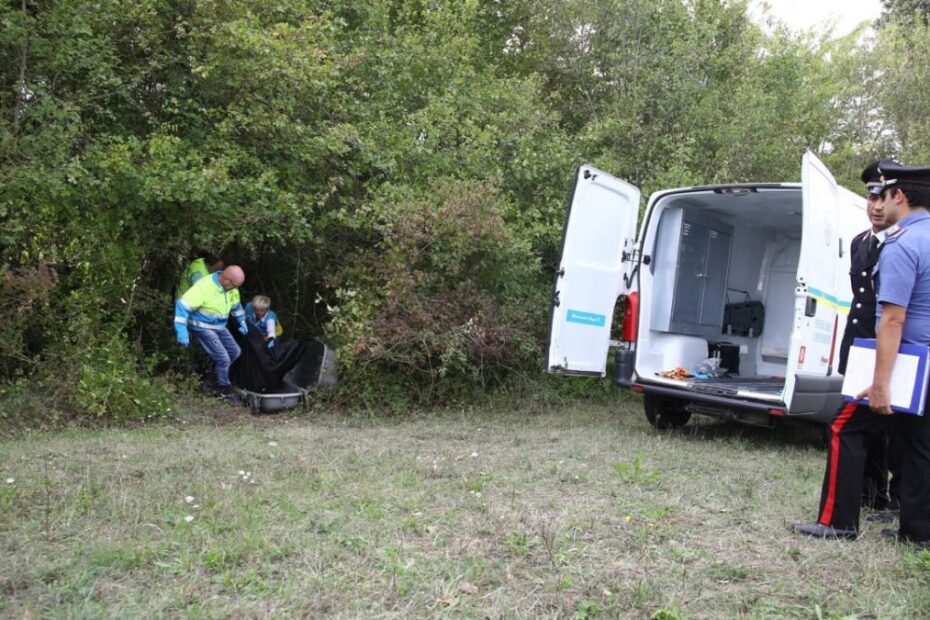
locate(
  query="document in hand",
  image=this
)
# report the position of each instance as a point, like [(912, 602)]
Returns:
[(908, 379)]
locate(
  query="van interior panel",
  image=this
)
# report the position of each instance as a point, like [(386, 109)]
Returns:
[(712, 251)]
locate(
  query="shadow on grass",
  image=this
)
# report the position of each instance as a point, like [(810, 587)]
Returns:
[(797, 435)]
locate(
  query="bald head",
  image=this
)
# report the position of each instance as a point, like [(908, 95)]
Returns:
[(232, 277)]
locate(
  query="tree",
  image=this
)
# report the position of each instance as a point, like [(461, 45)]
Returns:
[(905, 11)]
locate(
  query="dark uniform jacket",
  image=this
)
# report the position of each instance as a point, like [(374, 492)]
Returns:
[(861, 322)]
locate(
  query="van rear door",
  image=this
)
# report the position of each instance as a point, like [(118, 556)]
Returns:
[(810, 377), (598, 250)]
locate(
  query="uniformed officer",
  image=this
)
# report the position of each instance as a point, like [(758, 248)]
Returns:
[(864, 252), (903, 291), (857, 463)]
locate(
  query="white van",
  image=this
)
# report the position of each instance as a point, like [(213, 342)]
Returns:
[(755, 275)]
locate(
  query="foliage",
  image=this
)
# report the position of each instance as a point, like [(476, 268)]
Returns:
[(392, 173)]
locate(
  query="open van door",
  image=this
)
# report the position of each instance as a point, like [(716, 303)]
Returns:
[(597, 251), (810, 378)]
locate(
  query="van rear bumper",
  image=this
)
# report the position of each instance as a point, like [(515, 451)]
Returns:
[(722, 402), (819, 399)]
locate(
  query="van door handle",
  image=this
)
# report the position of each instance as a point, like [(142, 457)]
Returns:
[(810, 307)]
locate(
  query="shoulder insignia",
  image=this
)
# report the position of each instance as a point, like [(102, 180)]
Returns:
[(895, 233)]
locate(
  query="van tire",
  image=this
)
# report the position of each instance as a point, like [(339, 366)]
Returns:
[(665, 413)]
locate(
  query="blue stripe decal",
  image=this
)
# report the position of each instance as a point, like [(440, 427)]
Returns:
[(586, 318), (839, 303)]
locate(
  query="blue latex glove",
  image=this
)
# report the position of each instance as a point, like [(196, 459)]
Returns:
[(243, 329), (270, 344), (184, 340)]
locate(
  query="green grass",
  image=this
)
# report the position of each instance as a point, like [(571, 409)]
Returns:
[(571, 512)]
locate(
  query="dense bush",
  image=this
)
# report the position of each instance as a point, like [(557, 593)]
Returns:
[(392, 173)]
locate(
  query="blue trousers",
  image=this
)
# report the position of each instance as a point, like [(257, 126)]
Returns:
[(222, 349)]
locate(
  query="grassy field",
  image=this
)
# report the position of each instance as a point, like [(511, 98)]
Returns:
[(572, 512)]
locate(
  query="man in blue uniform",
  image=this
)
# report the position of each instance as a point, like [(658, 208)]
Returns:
[(903, 285), (857, 464)]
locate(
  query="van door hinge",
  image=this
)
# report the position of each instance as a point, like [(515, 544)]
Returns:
[(631, 252)]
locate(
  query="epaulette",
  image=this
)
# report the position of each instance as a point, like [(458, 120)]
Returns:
[(895, 232)]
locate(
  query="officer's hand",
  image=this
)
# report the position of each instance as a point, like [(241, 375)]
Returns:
[(270, 343), (879, 399), (243, 329)]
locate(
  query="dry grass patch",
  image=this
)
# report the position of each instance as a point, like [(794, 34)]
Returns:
[(577, 512)]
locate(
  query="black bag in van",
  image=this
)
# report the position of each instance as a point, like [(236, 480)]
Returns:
[(746, 318), (728, 354)]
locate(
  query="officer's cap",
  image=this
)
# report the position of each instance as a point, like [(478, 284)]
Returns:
[(894, 173), (872, 177)]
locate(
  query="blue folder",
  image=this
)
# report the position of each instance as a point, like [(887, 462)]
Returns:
[(911, 389)]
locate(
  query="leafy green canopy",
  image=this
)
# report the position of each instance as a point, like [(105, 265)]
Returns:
[(392, 173)]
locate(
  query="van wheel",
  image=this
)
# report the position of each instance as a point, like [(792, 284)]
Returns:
[(665, 413)]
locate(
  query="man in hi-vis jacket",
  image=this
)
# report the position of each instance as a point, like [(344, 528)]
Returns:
[(205, 309)]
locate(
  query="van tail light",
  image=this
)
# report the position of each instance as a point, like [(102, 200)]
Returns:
[(638, 388), (778, 412), (836, 325), (630, 317)]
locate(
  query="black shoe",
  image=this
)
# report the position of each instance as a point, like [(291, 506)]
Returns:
[(229, 396), (882, 516), (818, 530)]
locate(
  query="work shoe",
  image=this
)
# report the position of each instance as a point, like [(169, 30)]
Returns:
[(819, 530), (882, 516), (229, 396)]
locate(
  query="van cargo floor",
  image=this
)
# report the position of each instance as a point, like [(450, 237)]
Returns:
[(772, 386)]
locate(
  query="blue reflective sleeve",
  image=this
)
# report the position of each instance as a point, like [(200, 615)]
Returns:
[(239, 313), (897, 270), (181, 314)]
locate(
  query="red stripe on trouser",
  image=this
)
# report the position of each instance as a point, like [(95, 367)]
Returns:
[(826, 517)]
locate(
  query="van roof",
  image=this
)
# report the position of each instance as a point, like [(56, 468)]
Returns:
[(729, 186)]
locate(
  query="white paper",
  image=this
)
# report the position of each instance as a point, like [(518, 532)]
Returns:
[(860, 369)]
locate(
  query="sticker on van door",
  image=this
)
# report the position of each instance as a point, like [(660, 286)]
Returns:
[(586, 318)]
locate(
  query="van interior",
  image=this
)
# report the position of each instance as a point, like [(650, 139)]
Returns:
[(721, 283)]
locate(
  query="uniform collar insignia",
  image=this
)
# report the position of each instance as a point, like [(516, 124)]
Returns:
[(896, 231)]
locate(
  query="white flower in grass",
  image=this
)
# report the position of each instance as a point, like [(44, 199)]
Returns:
[(189, 518), (10, 480), (241, 472), (273, 444), (189, 499), (474, 455)]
